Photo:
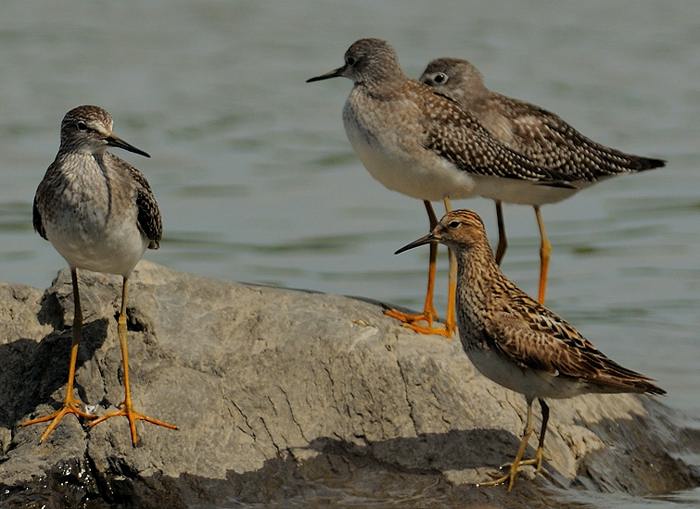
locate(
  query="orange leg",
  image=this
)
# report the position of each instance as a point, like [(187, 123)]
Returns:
[(545, 250), (71, 405), (450, 320), (502, 240), (126, 408), (429, 314)]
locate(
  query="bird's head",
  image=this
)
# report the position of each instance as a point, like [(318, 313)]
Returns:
[(367, 61), (459, 229), (89, 129), (457, 79)]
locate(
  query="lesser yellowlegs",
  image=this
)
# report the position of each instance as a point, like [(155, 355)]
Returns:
[(419, 143), (538, 134), (100, 214)]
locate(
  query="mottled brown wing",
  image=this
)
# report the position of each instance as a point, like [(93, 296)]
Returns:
[(36, 220), (149, 218), (551, 142), (458, 137), (561, 351)]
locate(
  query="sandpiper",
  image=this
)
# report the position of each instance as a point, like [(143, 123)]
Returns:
[(100, 214), (419, 143), (517, 342), (538, 134)]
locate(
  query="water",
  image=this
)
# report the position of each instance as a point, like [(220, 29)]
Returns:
[(257, 181)]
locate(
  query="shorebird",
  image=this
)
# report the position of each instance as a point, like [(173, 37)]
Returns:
[(421, 144), (100, 214), (538, 134), (517, 342)]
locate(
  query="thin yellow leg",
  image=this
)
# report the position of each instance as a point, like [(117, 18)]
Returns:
[(126, 408), (502, 240), (450, 322), (71, 405), (545, 250), (517, 462), (429, 314), (451, 318), (539, 453)]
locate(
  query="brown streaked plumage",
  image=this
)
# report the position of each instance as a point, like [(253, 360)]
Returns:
[(422, 144), (100, 214), (517, 342), (534, 132)]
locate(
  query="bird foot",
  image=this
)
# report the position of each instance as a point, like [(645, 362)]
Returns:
[(445, 331), (127, 411), (426, 316), (70, 406), (509, 478), (410, 321), (536, 461), (513, 469)]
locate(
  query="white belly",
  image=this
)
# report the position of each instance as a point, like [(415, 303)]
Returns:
[(521, 192), (425, 177), (531, 383), (115, 249)]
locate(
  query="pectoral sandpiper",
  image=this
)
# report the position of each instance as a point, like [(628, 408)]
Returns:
[(517, 342)]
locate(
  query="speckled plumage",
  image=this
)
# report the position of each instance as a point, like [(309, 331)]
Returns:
[(416, 141), (494, 315), (541, 136), (530, 130), (96, 209), (100, 214), (518, 343)]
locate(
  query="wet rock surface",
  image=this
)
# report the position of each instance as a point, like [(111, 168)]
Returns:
[(291, 398)]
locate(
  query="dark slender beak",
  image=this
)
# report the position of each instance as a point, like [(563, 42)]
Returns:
[(116, 141), (427, 239), (336, 73)]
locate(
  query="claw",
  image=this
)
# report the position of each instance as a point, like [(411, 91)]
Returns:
[(133, 416), (70, 406)]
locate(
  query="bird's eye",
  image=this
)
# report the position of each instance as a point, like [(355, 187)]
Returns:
[(82, 126), (454, 224), (350, 60), (440, 78)]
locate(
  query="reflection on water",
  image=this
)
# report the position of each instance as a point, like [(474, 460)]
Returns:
[(258, 183)]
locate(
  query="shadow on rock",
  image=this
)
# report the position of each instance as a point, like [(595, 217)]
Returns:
[(332, 474), (33, 371)]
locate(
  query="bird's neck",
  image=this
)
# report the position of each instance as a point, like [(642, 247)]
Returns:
[(82, 166), (477, 272), (382, 84)]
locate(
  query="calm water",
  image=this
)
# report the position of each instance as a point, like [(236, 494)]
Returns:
[(257, 181)]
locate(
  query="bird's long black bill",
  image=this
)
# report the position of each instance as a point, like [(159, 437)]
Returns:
[(335, 73), (427, 239), (115, 141)]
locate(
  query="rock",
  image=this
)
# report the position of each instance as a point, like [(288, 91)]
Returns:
[(289, 397)]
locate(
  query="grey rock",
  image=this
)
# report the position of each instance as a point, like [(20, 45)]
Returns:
[(291, 398)]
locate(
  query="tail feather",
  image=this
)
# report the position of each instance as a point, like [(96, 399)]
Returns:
[(649, 163), (615, 376)]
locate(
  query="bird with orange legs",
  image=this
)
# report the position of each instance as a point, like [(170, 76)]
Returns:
[(100, 214), (419, 143), (538, 134)]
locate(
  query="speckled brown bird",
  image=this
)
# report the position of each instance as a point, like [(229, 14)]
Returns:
[(540, 135), (421, 144), (517, 342), (100, 214)]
